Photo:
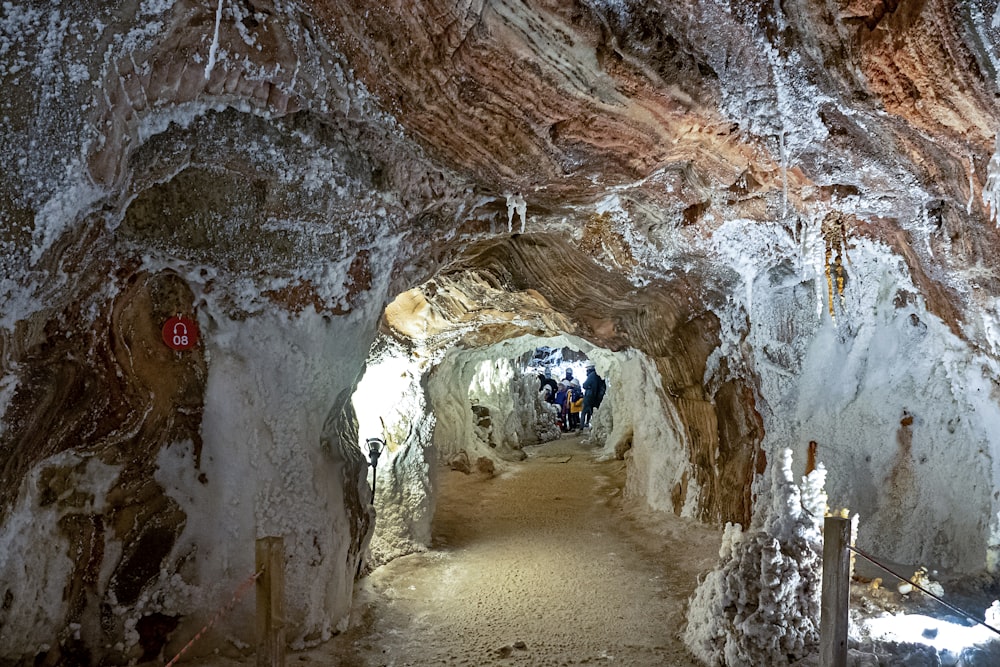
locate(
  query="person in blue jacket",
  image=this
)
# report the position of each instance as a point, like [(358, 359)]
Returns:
[(563, 407)]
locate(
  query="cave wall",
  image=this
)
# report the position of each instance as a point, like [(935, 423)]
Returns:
[(902, 410), (280, 459), (276, 234), (651, 435), (153, 512), (910, 406), (107, 403), (473, 394)]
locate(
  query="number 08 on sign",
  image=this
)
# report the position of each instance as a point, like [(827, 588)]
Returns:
[(180, 333)]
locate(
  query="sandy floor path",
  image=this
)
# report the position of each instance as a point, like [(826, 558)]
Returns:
[(542, 565)]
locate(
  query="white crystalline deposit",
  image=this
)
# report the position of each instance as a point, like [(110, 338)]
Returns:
[(895, 401), (896, 410), (213, 49), (647, 421), (515, 204), (274, 463), (511, 395), (8, 385), (991, 191), (490, 380), (60, 212), (448, 393), (761, 606), (545, 414)]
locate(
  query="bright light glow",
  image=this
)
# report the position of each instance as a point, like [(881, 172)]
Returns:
[(389, 394), (491, 376), (558, 366), (948, 639)]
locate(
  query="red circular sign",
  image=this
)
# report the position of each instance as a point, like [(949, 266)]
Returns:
[(180, 333)]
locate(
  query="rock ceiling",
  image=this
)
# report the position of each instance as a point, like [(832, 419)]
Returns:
[(328, 117), (313, 128), (547, 166)]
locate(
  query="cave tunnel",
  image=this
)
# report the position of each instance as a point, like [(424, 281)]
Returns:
[(255, 432), (259, 434), (450, 385), (772, 230), (530, 291)]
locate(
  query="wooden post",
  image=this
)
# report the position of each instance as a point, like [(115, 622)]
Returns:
[(836, 592), (271, 602)]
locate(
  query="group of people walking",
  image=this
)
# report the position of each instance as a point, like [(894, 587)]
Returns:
[(576, 403)]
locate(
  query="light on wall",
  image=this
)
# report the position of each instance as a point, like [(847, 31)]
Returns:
[(375, 447)]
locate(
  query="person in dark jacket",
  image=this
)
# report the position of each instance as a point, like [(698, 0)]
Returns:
[(594, 388), (546, 379), (563, 407)]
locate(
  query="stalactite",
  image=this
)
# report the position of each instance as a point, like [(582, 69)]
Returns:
[(834, 229)]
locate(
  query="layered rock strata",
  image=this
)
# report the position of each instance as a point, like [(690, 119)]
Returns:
[(768, 204)]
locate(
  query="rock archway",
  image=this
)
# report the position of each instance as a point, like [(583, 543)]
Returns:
[(501, 299)]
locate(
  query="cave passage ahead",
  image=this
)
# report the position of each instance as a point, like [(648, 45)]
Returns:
[(541, 564), (695, 427)]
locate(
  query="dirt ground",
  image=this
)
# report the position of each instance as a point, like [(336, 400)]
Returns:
[(545, 564)]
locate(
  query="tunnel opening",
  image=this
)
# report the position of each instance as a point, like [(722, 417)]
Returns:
[(475, 409), (454, 374)]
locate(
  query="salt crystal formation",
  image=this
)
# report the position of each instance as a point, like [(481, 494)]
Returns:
[(761, 606)]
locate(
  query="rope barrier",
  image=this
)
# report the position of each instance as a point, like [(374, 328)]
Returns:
[(918, 586), (218, 614)]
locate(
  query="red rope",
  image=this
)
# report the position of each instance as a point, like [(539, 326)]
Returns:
[(224, 610)]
